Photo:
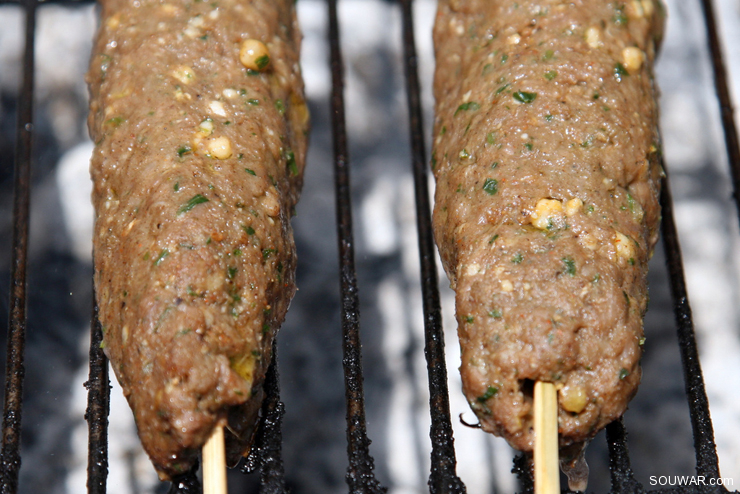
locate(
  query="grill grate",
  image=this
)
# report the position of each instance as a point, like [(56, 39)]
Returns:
[(266, 455)]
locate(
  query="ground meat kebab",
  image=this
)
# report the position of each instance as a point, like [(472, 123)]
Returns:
[(200, 123), (547, 162)]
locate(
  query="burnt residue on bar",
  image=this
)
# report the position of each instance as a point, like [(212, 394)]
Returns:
[(360, 474), (266, 454), (523, 470), (188, 483)]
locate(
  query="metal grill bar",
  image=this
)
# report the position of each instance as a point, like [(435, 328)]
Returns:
[(360, 476), (707, 462), (622, 478), (14, 370), (723, 95), (98, 408), (443, 477)]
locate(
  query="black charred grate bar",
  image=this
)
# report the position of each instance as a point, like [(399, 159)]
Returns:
[(443, 478), (707, 463), (266, 455), (360, 476), (98, 408), (723, 94), (14, 370)]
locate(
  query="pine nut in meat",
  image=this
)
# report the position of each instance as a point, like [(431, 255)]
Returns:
[(220, 148), (254, 55)]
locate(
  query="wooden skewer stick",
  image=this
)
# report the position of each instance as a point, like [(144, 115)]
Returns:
[(546, 470), (214, 463)]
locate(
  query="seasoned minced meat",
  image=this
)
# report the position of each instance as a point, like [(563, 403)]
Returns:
[(546, 160), (197, 168)]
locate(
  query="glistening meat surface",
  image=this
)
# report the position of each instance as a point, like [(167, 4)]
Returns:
[(200, 123), (546, 156)]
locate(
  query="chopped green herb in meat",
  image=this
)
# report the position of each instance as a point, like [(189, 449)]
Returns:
[(161, 257), (570, 265), (490, 186), (490, 393), (620, 71), (194, 201), (524, 97), (290, 161), (470, 105), (262, 62)]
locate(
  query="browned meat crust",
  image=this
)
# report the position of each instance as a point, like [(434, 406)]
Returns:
[(547, 168), (197, 168)]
